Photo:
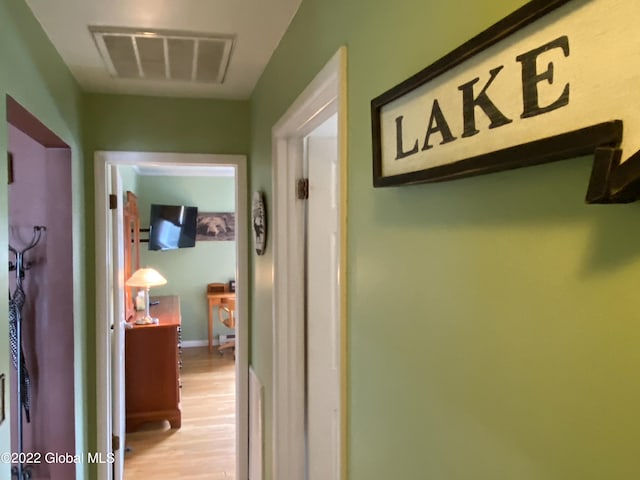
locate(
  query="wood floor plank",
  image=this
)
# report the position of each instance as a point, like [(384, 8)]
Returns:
[(204, 447)]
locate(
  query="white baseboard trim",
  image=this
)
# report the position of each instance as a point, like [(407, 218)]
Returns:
[(198, 343)]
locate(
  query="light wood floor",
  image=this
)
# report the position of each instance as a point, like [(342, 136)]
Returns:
[(204, 447)]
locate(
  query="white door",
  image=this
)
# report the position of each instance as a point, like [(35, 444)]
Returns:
[(117, 319), (323, 310)]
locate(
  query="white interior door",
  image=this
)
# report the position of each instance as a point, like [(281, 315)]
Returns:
[(323, 311), (117, 319)]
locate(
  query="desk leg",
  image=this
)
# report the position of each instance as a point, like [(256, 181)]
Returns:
[(210, 326)]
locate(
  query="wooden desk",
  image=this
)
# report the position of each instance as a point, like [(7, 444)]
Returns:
[(217, 299), (152, 366)]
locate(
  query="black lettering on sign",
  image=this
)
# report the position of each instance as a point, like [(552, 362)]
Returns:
[(470, 102), (399, 149), (437, 123), (531, 78)]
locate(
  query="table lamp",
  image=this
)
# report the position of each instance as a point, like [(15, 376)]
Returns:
[(146, 278)]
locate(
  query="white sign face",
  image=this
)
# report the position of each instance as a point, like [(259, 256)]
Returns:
[(576, 68)]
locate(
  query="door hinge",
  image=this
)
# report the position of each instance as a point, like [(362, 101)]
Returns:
[(303, 189), (113, 201), (115, 443)]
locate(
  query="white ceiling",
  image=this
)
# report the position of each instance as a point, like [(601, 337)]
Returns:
[(258, 26)]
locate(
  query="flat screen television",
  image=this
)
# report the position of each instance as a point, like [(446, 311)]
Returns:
[(172, 226)]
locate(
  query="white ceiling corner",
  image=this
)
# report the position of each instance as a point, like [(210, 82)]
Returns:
[(255, 25)]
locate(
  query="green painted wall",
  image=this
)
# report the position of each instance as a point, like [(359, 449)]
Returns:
[(493, 330), (188, 270), (33, 74), (129, 178), (154, 124)]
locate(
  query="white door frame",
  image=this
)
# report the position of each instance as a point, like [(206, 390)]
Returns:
[(115, 265), (323, 97), (102, 162)]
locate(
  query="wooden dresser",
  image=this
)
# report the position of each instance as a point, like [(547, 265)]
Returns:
[(152, 366)]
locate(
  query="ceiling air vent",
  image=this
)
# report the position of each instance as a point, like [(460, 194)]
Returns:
[(164, 54)]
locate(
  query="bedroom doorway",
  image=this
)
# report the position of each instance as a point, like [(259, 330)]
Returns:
[(107, 401)]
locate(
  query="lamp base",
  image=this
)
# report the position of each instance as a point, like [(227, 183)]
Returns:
[(147, 320)]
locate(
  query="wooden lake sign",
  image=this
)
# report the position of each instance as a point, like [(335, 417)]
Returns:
[(554, 80)]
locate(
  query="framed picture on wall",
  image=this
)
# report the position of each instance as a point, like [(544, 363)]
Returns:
[(214, 226), (259, 220)]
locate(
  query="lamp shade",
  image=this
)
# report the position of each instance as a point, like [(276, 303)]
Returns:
[(146, 277)]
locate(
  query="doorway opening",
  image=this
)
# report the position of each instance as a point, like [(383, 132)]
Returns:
[(309, 314), (41, 283), (110, 362)]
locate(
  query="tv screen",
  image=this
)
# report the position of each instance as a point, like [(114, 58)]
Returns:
[(172, 226)]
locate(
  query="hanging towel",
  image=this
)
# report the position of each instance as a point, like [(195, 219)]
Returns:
[(15, 312)]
